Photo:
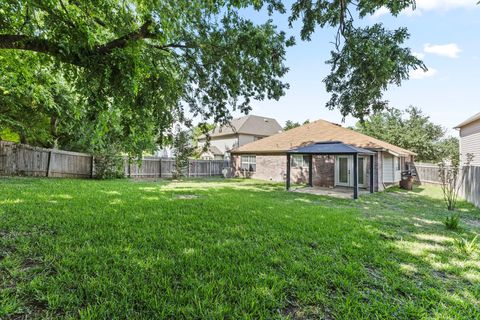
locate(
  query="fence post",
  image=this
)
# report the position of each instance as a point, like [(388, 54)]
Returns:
[(92, 161), (49, 163), (160, 167)]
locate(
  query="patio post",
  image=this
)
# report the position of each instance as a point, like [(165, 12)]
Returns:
[(355, 176), (310, 170), (371, 173), (288, 171)]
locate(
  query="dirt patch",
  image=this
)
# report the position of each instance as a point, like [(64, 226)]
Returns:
[(296, 312), (186, 196)]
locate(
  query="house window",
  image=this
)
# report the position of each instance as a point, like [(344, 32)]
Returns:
[(257, 138), (299, 160), (398, 163), (249, 163)]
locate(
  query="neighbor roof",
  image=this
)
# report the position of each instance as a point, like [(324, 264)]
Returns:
[(331, 147), (215, 151), (251, 124), (316, 131), (469, 120)]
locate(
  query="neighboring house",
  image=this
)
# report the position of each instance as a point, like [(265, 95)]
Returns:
[(470, 139), (240, 132), (266, 159), (165, 152)]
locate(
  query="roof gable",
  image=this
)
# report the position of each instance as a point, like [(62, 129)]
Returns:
[(317, 131), (251, 124), (469, 120)]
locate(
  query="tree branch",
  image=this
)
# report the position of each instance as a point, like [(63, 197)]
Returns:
[(22, 42), (142, 33)]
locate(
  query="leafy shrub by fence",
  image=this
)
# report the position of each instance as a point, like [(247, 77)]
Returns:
[(25, 160), (470, 190)]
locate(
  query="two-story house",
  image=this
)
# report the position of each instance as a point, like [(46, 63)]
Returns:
[(239, 132), (470, 139)]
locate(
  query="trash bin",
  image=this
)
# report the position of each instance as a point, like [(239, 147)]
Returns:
[(407, 181)]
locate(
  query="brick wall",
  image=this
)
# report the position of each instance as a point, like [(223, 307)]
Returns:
[(376, 173), (323, 171), (269, 167), (274, 168)]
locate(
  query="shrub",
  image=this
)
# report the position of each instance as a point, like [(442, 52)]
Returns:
[(452, 221), (109, 167), (465, 246), (451, 178)]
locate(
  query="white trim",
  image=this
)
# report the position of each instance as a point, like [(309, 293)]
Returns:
[(337, 171), (364, 184), (350, 171)]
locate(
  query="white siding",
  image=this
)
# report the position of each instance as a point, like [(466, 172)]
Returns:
[(227, 143), (224, 143), (390, 170), (470, 142), (387, 168), (397, 169), (245, 138)]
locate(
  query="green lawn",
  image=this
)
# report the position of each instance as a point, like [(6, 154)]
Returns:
[(229, 249)]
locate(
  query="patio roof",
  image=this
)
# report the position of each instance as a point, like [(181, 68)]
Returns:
[(330, 147)]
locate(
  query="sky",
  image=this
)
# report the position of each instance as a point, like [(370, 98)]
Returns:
[(445, 34)]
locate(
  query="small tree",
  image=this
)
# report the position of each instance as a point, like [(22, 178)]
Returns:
[(183, 151), (451, 177)]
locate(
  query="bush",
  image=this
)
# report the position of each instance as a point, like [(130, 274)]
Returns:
[(452, 221), (109, 167), (467, 247)]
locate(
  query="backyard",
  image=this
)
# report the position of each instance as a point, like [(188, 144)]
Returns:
[(230, 249)]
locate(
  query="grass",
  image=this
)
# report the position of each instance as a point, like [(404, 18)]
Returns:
[(229, 249)]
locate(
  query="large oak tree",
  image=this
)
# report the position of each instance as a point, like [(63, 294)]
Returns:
[(132, 67)]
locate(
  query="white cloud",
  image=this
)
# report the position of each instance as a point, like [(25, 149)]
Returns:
[(419, 55), (420, 74), (431, 5), (428, 5), (380, 12), (450, 50)]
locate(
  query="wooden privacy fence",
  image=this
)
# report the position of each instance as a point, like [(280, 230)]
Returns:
[(471, 185), (20, 159), (25, 160), (427, 173), (470, 189), (153, 167)]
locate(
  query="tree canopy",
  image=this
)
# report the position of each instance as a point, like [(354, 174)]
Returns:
[(112, 74), (289, 124), (412, 130)]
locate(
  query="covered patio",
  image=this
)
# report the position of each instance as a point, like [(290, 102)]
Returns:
[(334, 148)]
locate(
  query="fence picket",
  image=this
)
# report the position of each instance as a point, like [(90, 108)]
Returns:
[(20, 159), (470, 189)]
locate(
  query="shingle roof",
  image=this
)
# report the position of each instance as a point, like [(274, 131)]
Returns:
[(215, 151), (317, 131), (469, 120), (332, 147), (251, 124)]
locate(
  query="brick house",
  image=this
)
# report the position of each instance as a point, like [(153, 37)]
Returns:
[(266, 159)]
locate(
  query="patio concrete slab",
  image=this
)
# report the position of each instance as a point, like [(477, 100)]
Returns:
[(338, 192)]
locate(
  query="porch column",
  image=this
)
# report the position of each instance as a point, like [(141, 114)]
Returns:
[(355, 176), (371, 172), (310, 171), (288, 171)]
